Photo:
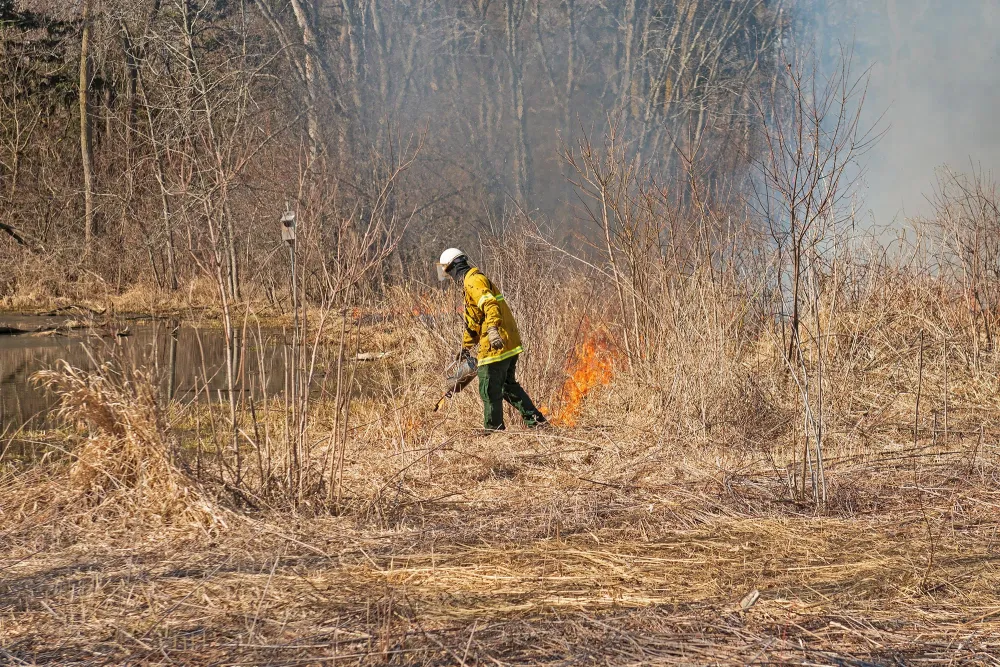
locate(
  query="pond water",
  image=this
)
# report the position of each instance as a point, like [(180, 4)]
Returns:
[(186, 361)]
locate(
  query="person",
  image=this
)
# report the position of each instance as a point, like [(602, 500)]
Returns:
[(490, 325)]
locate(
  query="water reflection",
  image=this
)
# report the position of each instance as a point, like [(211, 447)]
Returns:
[(187, 362)]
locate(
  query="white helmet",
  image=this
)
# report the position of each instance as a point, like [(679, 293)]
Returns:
[(447, 257)]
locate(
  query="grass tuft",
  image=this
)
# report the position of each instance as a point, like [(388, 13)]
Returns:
[(125, 465)]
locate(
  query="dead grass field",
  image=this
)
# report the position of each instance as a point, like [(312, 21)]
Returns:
[(672, 524), (516, 548)]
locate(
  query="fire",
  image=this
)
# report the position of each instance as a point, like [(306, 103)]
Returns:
[(428, 311), (592, 367)]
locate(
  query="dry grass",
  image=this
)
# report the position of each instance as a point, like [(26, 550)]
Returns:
[(630, 538), (127, 468), (197, 297), (519, 549)]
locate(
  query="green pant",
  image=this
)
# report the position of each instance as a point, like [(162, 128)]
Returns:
[(497, 383)]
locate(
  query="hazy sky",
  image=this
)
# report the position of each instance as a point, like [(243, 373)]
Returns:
[(937, 78)]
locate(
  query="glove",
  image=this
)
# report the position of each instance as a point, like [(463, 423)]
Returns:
[(496, 340), (464, 353)]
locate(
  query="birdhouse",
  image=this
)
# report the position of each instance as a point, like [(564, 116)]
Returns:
[(288, 227)]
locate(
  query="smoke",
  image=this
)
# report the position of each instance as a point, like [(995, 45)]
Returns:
[(934, 77), (933, 86)]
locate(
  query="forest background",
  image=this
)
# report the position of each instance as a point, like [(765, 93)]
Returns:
[(149, 144)]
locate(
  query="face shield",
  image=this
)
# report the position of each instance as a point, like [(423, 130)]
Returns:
[(442, 273)]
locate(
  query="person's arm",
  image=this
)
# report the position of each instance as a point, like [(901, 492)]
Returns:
[(486, 302), (471, 335)]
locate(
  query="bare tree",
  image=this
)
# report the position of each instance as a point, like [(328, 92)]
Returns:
[(813, 138), (965, 231), (802, 181)]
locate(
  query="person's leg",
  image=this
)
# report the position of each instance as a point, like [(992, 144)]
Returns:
[(491, 383), (514, 394)]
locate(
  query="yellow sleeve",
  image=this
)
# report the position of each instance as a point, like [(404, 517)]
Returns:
[(477, 287), (471, 335)]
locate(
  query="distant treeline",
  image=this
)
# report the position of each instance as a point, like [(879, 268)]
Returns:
[(153, 141)]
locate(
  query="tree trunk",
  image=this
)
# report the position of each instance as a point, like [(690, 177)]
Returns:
[(86, 147), (353, 35), (793, 344), (168, 230), (225, 218), (626, 95), (522, 153), (570, 68), (303, 15)]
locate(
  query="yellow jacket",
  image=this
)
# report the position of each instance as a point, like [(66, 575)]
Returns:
[(485, 307)]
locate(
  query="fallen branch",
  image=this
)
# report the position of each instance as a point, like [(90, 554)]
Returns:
[(13, 233), (14, 331), (63, 329), (76, 309)]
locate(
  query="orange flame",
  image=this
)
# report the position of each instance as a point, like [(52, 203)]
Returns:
[(592, 367), (426, 310)]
